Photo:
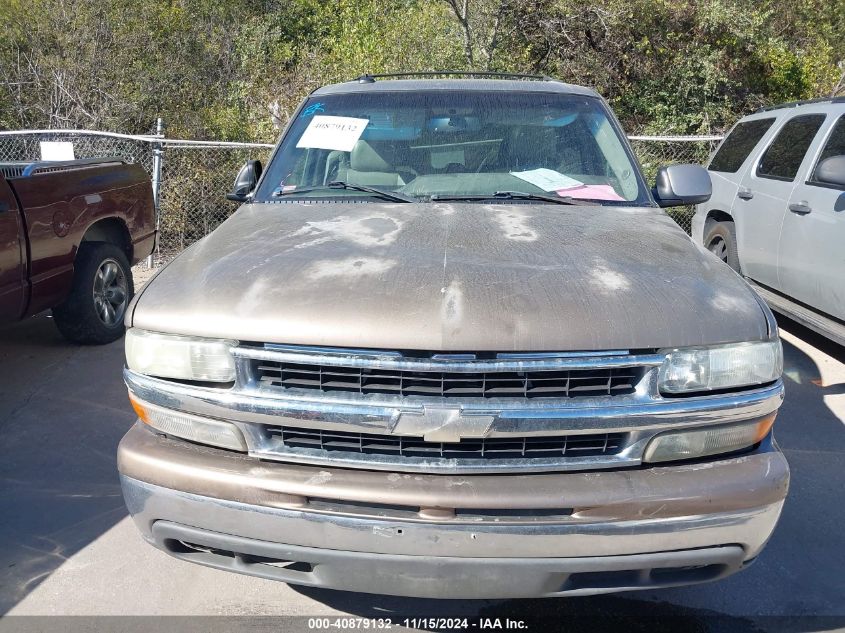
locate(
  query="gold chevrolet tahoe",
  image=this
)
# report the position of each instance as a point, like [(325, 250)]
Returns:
[(452, 346)]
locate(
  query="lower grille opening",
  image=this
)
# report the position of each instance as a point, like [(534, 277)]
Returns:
[(290, 565), (186, 547), (530, 446), (603, 579), (656, 577), (218, 557), (692, 573)]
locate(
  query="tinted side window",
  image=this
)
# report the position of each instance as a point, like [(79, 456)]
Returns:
[(736, 148), (783, 158), (835, 145)]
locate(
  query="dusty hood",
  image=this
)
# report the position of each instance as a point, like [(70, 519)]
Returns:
[(466, 277)]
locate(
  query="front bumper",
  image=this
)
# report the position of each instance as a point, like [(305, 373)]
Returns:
[(455, 536)]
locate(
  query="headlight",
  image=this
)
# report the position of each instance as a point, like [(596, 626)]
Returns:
[(190, 427), (702, 442), (721, 367), (182, 357)]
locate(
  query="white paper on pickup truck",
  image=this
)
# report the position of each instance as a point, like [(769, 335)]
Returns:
[(332, 132), (547, 179), (56, 150)]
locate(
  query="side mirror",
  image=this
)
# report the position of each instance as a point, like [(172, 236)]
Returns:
[(679, 185), (831, 171), (246, 181)]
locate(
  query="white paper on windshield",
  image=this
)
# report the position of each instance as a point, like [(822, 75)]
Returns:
[(332, 132), (56, 150), (547, 179)]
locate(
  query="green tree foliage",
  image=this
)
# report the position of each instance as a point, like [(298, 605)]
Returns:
[(236, 69), (683, 66)]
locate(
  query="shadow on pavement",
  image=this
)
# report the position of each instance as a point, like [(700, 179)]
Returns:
[(62, 413), (587, 614), (591, 614)]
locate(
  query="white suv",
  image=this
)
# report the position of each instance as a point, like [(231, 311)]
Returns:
[(777, 213)]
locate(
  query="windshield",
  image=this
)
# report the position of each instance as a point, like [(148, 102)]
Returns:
[(447, 143)]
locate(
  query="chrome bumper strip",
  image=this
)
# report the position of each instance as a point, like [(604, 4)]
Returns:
[(370, 415), (641, 415)]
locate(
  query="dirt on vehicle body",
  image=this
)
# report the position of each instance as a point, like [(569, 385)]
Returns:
[(69, 233), (452, 347)]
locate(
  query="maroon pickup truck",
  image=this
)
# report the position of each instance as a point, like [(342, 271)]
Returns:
[(69, 233)]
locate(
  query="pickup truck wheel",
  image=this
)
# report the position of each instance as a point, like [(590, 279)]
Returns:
[(720, 239), (102, 289)]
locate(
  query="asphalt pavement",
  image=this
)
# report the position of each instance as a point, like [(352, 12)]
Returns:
[(69, 547)]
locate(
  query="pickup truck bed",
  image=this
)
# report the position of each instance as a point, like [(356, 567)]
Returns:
[(56, 219)]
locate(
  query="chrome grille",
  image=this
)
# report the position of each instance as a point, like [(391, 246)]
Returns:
[(482, 448), (488, 412), (552, 383)]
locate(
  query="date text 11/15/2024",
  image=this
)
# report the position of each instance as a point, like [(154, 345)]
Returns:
[(432, 623)]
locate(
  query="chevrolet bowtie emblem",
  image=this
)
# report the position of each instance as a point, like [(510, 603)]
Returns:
[(442, 424)]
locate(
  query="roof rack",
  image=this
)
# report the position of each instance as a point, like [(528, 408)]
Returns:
[(369, 78), (795, 104)]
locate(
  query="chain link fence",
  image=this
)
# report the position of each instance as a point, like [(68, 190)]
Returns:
[(193, 177), (24, 145), (194, 182), (656, 151)]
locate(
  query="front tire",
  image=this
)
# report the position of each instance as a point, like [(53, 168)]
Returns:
[(102, 289), (720, 239)]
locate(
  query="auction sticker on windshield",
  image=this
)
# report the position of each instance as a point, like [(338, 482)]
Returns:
[(332, 132)]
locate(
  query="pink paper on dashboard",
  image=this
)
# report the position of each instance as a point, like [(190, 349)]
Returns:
[(593, 192)]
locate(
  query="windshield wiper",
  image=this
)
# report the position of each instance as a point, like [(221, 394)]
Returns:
[(338, 184), (510, 195)]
